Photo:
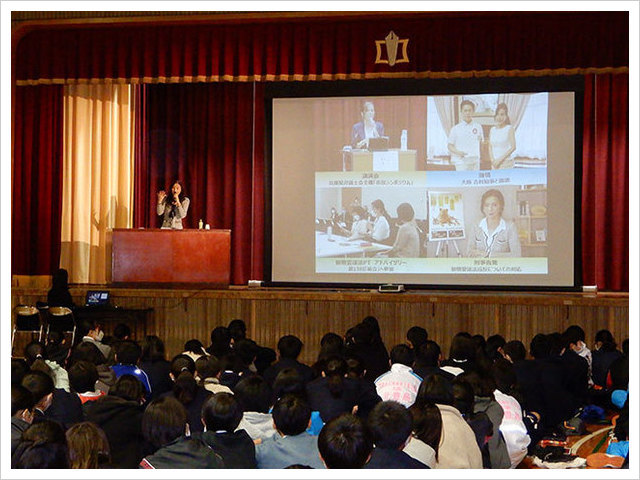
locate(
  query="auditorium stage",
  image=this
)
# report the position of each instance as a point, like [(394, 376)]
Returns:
[(180, 314)]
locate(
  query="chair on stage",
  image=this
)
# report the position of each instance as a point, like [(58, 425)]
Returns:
[(61, 319), (27, 320)]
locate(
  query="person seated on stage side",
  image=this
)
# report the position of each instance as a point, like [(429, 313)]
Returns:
[(379, 230), (391, 426), (87, 351), (265, 356), (208, 373), (345, 442), (368, 128), (173, 208), (186, 389), (166, 430), (220, 342), (119, 415), (127, 357), (291, 444), (88, 446), (407, 243), (359, 227), (400, 383), (89, 330), (428, 358), (43, 446), (289, 348), (416, 336), (254, 396), (22, 404), (59, 295), (83, 377), (494, 236), (193, 348), (465, 139), (221, 415)]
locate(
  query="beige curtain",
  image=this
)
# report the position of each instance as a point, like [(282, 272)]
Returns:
[(97, 184)]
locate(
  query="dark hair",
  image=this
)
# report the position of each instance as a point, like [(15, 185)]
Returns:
[(483, 385), (253, 394), (84, 326), (220, 342), (128, 387), (221, 412), (492, 193), (504, 375), (207, 366), (246, 349), (516, 351), (462, 349), (34, 350), (557, 342), (503, 106), (42, 445), (163, 421), (405, 212), (539, 346), (88, 446), (288, 380), (87, 351), (390, 424), (128, 352), (291, 414), (335, 369), (427, 424), (345, 442), (379, 205), (60, 279), (372, 322), (168, 200), (153, 348), (606, 338), (355, 367), (417, 336), (463, 396), (289, 346), (493, 345), (39, 384), (21, 399), (574, 334), (237, 329), (401, 353), (185, 386), (83, 376), (121, 331), (428, 354), (194, 346), (19, 369), (331, 344), (434, 389), (467, 102)]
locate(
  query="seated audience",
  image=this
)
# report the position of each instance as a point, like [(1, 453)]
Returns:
[(390, 424), (289, 381), (166, 431), (37, 351), (289, 348), (331, 345), (155, 364), (291, 444), (193, 348), (603, 355), (43, 446), (364, 342), (91, 331), (127, 356), (221, 416), (220, 342), (426, 432), (462, 354), (208, 373), (416, 336), (399, 383), (254, 398), (427, 362), (87, 351), (22, 404), (83, 377), (345, 442), (88, 446), (264, 356)]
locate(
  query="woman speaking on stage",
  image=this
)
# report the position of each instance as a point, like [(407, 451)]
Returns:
[(173, 208)]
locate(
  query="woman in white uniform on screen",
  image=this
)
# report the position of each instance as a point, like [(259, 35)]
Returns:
[(502, 139), (379, 229), (173, 208), (359, 225), (494, 236)]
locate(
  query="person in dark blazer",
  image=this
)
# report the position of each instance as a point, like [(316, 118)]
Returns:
[(289, 348)]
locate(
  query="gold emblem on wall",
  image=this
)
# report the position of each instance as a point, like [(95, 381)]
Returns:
[(391, 42)]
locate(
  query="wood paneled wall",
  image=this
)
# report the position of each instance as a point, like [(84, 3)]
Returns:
[(180, 315)]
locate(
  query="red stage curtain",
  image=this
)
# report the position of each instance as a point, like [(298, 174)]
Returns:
[(605, 182), (202, 134), (442, 44), (37, 180)]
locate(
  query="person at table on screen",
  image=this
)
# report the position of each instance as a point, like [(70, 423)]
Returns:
[(367, 128), (359, 225), (173, 208), (465, 139), (493, 236), (502, 139), (379, 230), (407, 244)]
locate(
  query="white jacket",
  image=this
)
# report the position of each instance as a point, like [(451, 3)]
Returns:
[(513, 428)]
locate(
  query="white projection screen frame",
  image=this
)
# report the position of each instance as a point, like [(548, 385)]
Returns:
[(320, 176)]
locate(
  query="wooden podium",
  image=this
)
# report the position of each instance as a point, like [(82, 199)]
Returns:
[(161, 256), (363, 161)]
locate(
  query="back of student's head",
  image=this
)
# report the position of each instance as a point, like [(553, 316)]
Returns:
[(331, 344), (574, 334), (19, 369), (390, 424), (495, 343), (557, 343), (237, 329), (246, 350), (33, 351), (221, 412), (122, 331), (128, 387), (185, 386), (363, 333), (128, 352), (434, 389), (83, 376), (84, 326), (402, 354), (504, 375), (21, 399), (417, 336), (253, 394), (355, 367), (462, 349), (39, 384), (288, 381), (220, 341), (153, 349), (163, 421), (88, 446), (463, 396), (42, 445), (335, 369), (482, 383), (194, 346), (207, 366), (428, 354), (515, 350), (539, 346), (291, 415), (87, 351), (345, 442), (289, 346), (604, 339)]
